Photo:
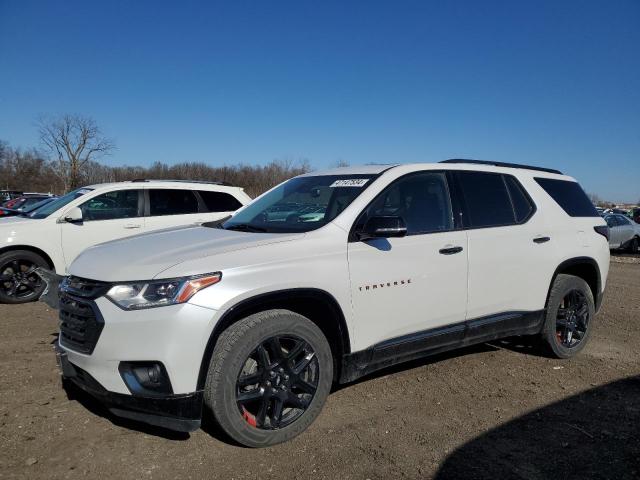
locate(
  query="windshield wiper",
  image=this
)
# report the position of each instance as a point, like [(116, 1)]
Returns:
[(245, 227)]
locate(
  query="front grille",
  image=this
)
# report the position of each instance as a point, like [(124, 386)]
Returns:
[(80, 323), (83, 287)]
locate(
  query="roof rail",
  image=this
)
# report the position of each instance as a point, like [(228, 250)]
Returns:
[(501, 164), (223, 184)]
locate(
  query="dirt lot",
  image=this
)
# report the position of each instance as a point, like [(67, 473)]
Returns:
[(493, 411)]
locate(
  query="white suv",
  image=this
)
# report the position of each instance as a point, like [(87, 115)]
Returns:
[(326, 278), (52, 236)]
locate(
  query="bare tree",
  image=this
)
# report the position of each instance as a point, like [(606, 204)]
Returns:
[(74, 141)]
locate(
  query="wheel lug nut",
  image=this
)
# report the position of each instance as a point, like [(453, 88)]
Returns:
[(268, 383)]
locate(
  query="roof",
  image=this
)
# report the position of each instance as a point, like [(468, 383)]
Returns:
[(454, 164), (188, 184)]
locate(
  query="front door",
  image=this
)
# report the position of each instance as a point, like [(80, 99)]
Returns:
[(105, 217), (405, 285)]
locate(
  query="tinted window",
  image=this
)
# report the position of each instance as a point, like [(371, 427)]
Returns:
[(622, 220), (570, 196), (422, 200), (611, 221), (522, 204), (486, 198), (219, 201), (111, 205), (172, 202)]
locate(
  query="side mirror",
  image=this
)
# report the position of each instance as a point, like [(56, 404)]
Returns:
[(383, 227), (74, 215)]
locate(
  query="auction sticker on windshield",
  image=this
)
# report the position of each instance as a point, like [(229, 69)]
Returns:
[(352, 182)]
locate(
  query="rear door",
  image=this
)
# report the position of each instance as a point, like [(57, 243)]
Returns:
[(109, 216), (508, 245)]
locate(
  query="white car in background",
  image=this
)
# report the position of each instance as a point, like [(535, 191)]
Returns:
[(52, 236), (623, 232)]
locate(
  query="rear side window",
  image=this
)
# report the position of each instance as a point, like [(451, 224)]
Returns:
[(570, 196), (172, 202), (622, 220), (219, 201), (487, 200)]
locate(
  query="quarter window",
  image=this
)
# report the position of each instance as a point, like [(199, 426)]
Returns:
[(219, 201), (112, 205), (172, 202), (569, 196)]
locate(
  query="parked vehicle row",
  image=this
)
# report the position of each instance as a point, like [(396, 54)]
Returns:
[(325, 278), (26, 202), (53, 235)]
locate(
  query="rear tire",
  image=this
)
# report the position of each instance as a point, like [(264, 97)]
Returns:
[(569, 316), (263, 391), (18, 281)]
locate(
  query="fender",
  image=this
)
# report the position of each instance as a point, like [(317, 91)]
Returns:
[(35, 250), (280, 299), (569, 265)]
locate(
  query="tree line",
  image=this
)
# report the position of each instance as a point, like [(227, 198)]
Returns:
[(72, 147)]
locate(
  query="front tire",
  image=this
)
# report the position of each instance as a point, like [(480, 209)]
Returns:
[(569, 316), (18, 281), (269, 377), (633, 245)]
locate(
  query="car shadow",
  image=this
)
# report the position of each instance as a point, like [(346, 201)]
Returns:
[(96, 408), (594, 434)]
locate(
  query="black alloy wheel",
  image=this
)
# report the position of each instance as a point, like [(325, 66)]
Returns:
[(277, 382), (19, 282), (569, 316), (572, 319), (269, 376)]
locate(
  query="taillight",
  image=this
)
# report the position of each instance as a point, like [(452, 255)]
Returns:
[(602, 230)]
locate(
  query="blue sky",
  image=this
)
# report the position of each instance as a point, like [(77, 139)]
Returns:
[(554, 83)]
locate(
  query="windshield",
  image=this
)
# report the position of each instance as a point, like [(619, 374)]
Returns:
[(300, 205), (50, 207)]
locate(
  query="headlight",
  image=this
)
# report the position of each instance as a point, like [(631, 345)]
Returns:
[(158, 293)]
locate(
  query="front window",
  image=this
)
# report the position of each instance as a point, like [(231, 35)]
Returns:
[(57, 204), (114, 205), (300, 205)]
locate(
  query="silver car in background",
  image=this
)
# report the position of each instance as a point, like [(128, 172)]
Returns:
[(624, 233)]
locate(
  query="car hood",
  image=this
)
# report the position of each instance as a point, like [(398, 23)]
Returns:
[(145, 256)]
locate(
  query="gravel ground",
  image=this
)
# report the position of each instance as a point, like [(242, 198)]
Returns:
[(492, 411)]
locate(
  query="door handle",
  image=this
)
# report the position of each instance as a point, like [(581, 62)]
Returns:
[(132, 225), (450, 250), (541, 239)]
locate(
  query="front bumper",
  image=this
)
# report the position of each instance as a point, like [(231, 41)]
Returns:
[(180, 412)]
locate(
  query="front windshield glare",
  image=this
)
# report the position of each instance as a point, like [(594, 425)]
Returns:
[(55, 205), (300, 204)]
